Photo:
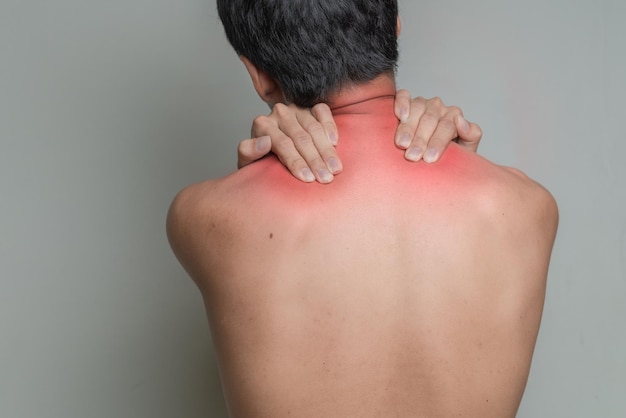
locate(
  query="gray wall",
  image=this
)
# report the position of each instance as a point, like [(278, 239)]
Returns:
[(108, 108)]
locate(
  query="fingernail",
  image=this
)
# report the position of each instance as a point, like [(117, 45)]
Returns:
[(413, 154), (334, 165), (307, 175), (404, 114), (262, 143), (431, 156), (333, 138), (405, 140), (324, 175)]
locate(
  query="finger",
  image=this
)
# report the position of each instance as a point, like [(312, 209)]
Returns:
[(283, 147), (406, 130), (428, 123), (326, 139), (402, 105), (251, 150), (301, 131), (445, 133), (324, 115), (287, 153), (469, 133)]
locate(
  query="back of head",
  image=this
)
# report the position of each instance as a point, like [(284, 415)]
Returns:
[(313, 48)]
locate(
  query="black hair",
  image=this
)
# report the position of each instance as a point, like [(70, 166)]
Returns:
[(313, 48)]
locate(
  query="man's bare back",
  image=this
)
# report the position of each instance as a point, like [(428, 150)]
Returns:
[(408, 290)]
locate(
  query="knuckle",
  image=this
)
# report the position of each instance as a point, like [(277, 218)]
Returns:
[(261, 125), (284, 143), (429, 118), (295, 165), (403, 94), (436, 101), (280, 109), (317, 163), (420, 143), (322, 112), (260, 122), (302, 138), (330, 125), (420, 140), (314, 127), (320, 108), (455, 110), (440, 140), (418, 106), (447, 125), (445, 133)]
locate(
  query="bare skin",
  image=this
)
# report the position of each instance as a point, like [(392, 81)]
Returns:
[(421, 296), (304, 139)]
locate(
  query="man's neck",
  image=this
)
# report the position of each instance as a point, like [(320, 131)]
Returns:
[(348, 99), (365, 119)]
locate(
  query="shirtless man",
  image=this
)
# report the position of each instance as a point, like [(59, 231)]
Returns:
[(396, 290)]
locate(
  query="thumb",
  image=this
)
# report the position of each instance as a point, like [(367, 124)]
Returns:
[(251, 150), (470, 134)]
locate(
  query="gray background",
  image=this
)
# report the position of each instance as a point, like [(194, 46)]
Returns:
[(108, 108)]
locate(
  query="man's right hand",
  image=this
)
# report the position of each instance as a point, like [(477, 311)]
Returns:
[(304, 139)]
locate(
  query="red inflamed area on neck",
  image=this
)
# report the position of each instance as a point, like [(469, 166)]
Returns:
[(373, 164)]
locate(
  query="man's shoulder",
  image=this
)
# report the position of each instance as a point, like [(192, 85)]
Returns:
[(520, 204), (200, 200), (529, 193), (492, 192), (496, 183), (193, 198), (193, 217), (225, 202)]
